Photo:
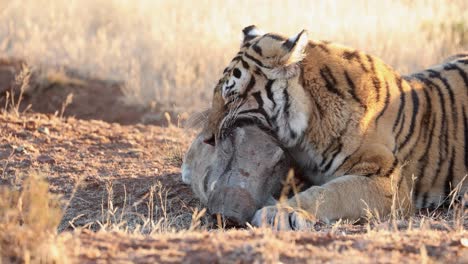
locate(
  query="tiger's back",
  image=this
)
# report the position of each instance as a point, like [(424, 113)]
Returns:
[(439, 154), (416, 124)]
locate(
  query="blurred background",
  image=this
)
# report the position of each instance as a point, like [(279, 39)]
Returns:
[(171, 53)]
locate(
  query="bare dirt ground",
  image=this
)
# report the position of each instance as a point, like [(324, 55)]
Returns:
[(123, 199)]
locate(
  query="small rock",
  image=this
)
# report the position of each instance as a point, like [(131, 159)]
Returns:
[(25, 163), (130, 142), (31, 148), (44, 130), (135, 152), (23, 134), (464, 242), (46, 159), (20, 149), (67, 143), (5, 154)]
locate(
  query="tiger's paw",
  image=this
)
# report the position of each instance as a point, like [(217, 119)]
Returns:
[(283, 218)]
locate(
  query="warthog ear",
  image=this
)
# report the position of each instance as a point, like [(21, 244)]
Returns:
[(186, 174), (251, 32), (294, 48)]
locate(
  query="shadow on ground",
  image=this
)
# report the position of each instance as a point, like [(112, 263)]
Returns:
[(49, 90), (149, 203)]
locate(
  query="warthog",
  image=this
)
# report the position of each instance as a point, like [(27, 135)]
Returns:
[(239, 175)]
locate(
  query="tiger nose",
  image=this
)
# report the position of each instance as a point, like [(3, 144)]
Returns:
[(234, 204)]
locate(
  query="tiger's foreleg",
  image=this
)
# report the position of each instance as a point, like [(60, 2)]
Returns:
[(347, 197)]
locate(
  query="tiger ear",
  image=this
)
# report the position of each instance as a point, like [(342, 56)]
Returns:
[(294, 48), (251, 32)]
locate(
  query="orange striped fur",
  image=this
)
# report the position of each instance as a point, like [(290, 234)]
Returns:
[(366, 136)]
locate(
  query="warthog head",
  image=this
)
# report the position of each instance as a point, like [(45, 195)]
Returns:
[(238, 176)]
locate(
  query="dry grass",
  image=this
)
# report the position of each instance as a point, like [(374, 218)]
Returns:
[(29, 217), (28, 221), (172, 52), (21, 84), (137, 222)]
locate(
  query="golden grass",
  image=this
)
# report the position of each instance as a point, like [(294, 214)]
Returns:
[(28, 222), (172, 52)]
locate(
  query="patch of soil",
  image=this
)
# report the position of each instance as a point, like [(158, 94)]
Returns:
[(264, 246), (86, 161)]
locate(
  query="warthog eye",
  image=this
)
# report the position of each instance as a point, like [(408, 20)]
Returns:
[(210, 140)]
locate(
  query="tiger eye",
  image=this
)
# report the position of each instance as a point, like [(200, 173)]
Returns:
[(237, 73)]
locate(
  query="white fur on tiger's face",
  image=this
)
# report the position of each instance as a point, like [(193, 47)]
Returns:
[(365, 135)]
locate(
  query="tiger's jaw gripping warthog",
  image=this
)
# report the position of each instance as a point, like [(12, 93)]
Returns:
[(239, 175)]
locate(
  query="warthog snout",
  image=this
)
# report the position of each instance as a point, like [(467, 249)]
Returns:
[(243, 172), (235, 204)]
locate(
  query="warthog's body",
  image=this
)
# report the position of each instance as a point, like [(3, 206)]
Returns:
[(240, 175)]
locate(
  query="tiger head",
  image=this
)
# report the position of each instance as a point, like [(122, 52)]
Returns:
[(253, 88), (259, 110)]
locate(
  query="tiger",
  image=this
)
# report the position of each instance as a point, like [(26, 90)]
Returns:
[(367, 138)]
